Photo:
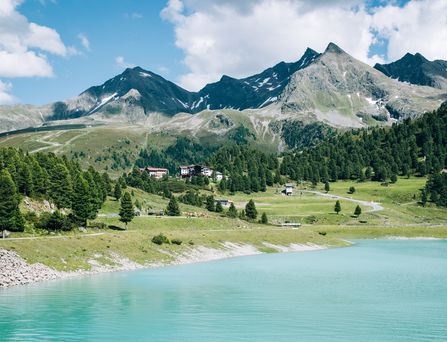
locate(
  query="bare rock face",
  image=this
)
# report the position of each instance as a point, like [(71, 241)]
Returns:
[(343, 91)]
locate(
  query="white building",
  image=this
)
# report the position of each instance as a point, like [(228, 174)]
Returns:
[(219, 176), (289, 189)]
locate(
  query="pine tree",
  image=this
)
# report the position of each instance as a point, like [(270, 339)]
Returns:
[(424, 197), (250, 210), (95, 197), (326, 187), (25, 179), (81, 205), (357, 211), (107, 183), (210, 206), (264, 219), (232, 211), (277, 178), (10, 216), (393, 178), (117, 192), (223, 185), (173, 209), (219, 208), (60, 186), (40, 179), (337, 207), (127, 211)]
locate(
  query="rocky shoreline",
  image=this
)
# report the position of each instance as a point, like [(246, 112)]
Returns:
[(15, 271)]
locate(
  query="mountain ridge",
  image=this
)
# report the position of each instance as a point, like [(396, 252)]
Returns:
[(416, 69), (332, 87)]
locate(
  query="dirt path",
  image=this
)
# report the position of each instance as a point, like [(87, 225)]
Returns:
[(58, 146), (373, 205), (44, 140), (50, 237)]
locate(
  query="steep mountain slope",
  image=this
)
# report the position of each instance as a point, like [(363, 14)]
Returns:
[(22, 116), (135, 90), (139, 92), (416, 69), (342, 91), (251, 92), (332, 88)]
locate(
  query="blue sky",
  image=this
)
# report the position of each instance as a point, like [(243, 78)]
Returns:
[(130, 28), (193, 42)]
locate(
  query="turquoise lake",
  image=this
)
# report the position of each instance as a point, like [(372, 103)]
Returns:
[(384, 290)]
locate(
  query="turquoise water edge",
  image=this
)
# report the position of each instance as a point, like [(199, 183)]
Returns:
[(376, 290)]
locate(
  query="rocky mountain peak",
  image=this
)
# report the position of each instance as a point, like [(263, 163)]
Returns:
[(334, 48)]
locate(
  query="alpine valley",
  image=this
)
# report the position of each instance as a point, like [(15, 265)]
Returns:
[(320, 91)]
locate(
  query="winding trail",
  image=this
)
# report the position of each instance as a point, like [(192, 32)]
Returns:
[(373, 205), (52, 144)]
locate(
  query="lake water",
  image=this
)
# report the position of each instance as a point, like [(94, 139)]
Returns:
[(373, 291)]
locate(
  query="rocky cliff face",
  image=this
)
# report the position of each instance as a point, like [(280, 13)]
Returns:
[(343, 91), (256, 91)]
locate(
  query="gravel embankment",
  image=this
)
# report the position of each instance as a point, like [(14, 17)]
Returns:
[(16, 271)]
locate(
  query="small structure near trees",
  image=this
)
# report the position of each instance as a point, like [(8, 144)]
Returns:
[(289, 189)]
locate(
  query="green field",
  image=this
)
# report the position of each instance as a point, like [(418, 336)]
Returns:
[(401, 216)]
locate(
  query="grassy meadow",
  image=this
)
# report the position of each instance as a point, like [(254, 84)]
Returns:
[(401, 216), (104, 146)]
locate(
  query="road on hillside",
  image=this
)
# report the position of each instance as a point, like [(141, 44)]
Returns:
[(51, 237)]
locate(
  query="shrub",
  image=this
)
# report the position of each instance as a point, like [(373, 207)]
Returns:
[(54, 221), (311, 219), (264, 219), (322, 233), (160, 239), (177, 242), (99, 225), (351, 190), (31, 217)]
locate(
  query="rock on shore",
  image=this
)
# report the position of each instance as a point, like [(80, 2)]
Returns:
[(16, 271)]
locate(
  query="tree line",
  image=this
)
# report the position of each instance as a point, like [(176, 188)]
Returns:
[(245, 169), (56, 179), (413, 147)]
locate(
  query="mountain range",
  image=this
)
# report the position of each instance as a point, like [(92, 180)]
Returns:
[(330, 87)]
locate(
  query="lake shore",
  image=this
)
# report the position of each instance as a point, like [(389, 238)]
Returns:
[(15, 271)]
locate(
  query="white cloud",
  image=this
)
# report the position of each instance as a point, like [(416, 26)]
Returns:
[(122, 64), (24, 64), (23, 44), (239, 38), (5, 97), (229, 39), (84, 41), (419, 26)]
